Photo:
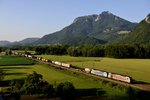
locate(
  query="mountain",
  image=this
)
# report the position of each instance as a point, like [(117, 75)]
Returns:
[(4, 43), (140, 34), (26, 41), (81, 40), (101, 28)]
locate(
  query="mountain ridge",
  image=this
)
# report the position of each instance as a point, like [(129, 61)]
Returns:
[(26, 41), (103, 27), (4, 43), (140, 34)]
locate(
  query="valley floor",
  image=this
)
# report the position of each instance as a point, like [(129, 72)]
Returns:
[(138, 69)]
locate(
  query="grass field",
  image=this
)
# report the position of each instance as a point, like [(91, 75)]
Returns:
[(53, 75), (138, 69), (23, 51), (14, 60)]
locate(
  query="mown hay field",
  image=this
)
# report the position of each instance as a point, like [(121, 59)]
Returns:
[(138, 69)]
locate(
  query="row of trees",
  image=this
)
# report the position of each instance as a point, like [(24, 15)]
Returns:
[(86, 51), (53, 50), (34, 84), (115, 51), (0, 50), (127, 51)]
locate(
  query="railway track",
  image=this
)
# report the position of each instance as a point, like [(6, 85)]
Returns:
[(145, 87), (141, 86)]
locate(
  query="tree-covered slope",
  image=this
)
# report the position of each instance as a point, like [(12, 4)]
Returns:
[(140, 34)]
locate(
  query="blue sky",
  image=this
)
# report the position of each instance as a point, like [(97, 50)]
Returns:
[(20, 19)]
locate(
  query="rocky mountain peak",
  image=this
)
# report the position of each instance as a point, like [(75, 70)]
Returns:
[(106, 13), (147, 19), (94, 17), (85, 18), (102, 27)]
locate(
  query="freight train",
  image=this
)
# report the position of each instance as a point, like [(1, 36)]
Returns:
[(110, 75), (105, 74)]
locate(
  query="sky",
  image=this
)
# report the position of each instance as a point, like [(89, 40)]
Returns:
[(20, 19)]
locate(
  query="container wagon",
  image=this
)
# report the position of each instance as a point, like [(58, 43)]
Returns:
[(119, 77), (99, 73)]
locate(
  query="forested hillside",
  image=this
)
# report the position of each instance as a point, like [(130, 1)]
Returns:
[(91, 29), (140, 34)]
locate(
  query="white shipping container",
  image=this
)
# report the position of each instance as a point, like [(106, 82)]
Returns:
[(65, 65), (104, 74), (29, 56), (43, 59), (109, 75), (96, 72), (53, 62), (39, 58), (58, 63), (87, 70), (46, 60), (16, 53)]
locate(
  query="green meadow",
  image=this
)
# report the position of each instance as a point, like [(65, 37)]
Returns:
[(14, 60), (55, 76), (138, 69), (23, 51)]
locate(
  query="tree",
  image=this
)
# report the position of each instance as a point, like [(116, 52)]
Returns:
[(147, 53), (40, 50), (34, 84), (130, 93), (139, 51), (74, 51), (15, 86), (95, 51), (66, 91), (1, 74), (8, 52), (31, 85), (0, 50), (119, 51), (26, 52), (46, 88)]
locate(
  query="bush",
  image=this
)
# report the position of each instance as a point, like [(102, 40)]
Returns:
[(15, 86), (33, 84), (1, 74), (65, 91)]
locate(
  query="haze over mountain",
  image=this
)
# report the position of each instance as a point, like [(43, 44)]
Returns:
[(98, 29), (4, 43), (26, 41), (140, 34)]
